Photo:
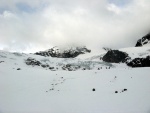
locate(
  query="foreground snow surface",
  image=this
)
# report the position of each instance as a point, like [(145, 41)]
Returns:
[(32, 90)]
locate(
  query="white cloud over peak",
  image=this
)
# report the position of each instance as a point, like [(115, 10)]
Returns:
[(40, 24)]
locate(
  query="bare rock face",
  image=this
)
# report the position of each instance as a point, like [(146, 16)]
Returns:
[(143, 41), (140, 62), (115, 56), (68, 53)]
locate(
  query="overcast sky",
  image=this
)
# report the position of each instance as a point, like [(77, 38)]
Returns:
[(33, 25)]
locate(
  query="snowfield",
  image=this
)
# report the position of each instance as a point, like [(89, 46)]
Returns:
[(27, 89)]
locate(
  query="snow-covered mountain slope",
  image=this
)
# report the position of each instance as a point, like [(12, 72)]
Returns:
[(18, 60), (34, 90), (133, 52), (137, 52), (146, 45), (91, 61), (49, 85)]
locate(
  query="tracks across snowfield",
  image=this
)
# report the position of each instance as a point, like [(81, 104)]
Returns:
[(33, 90)]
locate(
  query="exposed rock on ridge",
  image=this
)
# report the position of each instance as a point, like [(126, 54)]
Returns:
[(140, 62), (68, 53), (143, 41)]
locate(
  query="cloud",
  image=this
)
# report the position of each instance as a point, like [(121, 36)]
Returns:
[(35, 25)]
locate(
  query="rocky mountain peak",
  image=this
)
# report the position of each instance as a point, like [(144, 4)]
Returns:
[(144, 40), (71, 52)]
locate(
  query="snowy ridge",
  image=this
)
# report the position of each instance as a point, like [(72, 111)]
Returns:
[(35, 90), (82, 62), (95, 87), (137, 52), (50, 63)]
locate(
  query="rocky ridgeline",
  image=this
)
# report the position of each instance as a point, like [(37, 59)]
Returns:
[(143, 41), (68, 53), (140, 62), (116, 56)]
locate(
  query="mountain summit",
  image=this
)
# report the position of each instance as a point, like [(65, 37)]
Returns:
[(145, 40), (71, 52)]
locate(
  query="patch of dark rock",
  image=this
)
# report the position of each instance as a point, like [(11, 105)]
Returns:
[(115, 56), (140, 62), (70, 67), (1, 61), (144, 40), (33, 62), (68, 53), (93, 89), (44, 65), (124, 89), (116, 91), (51, 67), (18, 68), (84, 69)]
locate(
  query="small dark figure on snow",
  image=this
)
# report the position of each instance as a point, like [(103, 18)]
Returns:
[(93, 89)]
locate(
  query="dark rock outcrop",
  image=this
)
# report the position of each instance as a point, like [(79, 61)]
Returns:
[(115, 56), (143, 41), (93, 89), (1, 61), (33, 62), (68, 53), (18, 68), (116, 91), (70, 67), (140, 62)]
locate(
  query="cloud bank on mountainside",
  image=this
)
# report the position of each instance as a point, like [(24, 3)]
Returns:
[(37, 25)]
